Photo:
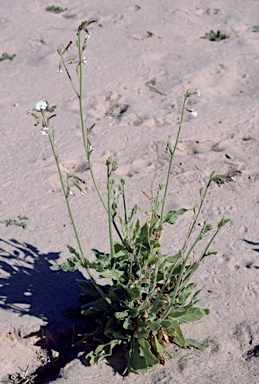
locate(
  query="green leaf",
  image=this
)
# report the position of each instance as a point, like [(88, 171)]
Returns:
[(189, 315), (205, 229), (172, 216), (153, 325), (124, 228), (157, 203), (118, 294), (223, 222), (55, 9), (160, 304), (195, 299), (185, 292), (88, 287), (159, 350), (142, 330), (72, 264), (152, 81), (172, 328), (90, 129), (209, 253), (120, 250), (127, 324), (215, 36), (121, 315), (113, 330), (113, 274), (134, 293), (133, 213), (94, 306), (145, 351), (102, 351), (173, 259), (196, 344), (74, 252), (6, 56), (55, 267), (140, 357), (255, 28)]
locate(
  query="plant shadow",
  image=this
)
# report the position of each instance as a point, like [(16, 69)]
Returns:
[(29, 287), (256, 249)]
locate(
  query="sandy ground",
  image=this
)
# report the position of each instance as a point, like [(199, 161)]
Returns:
[(131, 44)]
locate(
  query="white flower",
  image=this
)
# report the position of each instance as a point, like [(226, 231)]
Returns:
[(84, 60), (197, 92), (194, 112), (44, 131), (41, 105), (87, 35)]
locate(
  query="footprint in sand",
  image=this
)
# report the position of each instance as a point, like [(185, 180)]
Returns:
[(194, 147), (246, 334)]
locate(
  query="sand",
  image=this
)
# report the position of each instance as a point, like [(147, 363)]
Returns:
[(131, 43)]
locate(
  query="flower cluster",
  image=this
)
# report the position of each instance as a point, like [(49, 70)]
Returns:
[(190, 94), (41, 106), (41, 118)]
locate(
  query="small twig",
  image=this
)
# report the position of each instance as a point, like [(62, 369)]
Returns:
[(154, 89)]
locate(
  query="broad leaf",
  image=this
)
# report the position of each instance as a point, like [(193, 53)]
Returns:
[(191, 314), (171, 216), (140, 357), (173, 329)]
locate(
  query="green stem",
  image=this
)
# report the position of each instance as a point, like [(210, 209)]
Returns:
[(124, 203), (70, 78), (84, 133), (201, 257), (172, 152), (183, 250), (51, 140), (110, 220), (85, 262), (168, 277), (196, 216), (177, 286)]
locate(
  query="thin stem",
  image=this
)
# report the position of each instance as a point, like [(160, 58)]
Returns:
[(188, 254), (186, 279), (172, 152), (84, 132), (68, 74), (110, 213), (165, 284), (86, 141), (51, 140), (124, 202), (85, 262), (196, 216), (177, 286)]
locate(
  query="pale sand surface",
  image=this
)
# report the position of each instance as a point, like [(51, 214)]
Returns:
[(131, 44)]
